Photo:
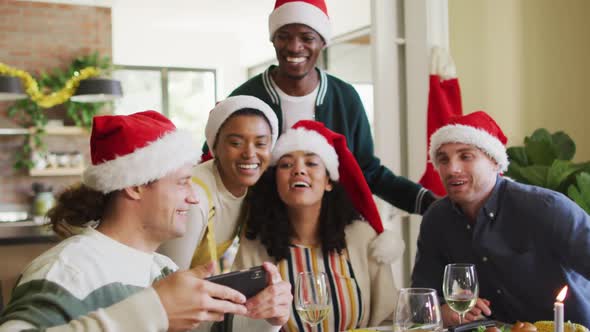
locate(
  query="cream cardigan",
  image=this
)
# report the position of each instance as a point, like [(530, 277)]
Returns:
[(378, 291)]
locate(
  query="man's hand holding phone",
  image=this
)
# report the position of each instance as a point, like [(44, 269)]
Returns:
[(248, 282), (189, 300), (269, 297)]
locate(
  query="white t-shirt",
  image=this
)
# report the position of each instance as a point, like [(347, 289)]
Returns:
[(296, 108)]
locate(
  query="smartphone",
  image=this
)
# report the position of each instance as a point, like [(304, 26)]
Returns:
[(248, 282)]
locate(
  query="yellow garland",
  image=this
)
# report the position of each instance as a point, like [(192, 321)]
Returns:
[(53, 98)]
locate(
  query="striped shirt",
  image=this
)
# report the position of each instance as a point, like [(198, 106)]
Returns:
[(346, 307)]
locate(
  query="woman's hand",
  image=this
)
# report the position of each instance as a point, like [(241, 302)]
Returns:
[(274, 302)]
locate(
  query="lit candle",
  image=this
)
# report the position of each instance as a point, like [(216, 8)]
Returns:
[(558, 311)]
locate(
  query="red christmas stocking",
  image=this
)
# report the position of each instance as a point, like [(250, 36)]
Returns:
[(444, 103)]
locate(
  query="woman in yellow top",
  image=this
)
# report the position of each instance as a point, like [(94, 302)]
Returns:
[(240, 133)]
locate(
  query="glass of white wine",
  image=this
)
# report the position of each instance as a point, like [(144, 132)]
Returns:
[(417, 310), (312, 297), (460, 288)]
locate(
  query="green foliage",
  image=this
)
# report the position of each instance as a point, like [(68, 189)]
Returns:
[(28, 113), (23, 159), (545, 160), (82, 113), (580, 191)]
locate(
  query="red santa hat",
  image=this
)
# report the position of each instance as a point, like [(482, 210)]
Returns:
[(131, 150), (312, 13), (477, 129), (313, 136), (224, 109)]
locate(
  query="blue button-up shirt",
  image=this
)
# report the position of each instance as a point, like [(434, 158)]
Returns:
[(527, 243)]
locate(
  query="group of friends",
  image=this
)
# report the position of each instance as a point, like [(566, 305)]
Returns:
[(289, 169)]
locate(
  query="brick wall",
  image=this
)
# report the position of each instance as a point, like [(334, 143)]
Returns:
[(40, 37)]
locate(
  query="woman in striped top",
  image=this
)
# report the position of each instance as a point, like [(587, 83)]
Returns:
[(303, 219)]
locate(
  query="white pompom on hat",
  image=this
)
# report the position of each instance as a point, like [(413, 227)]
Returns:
[(224, 109), (477, 129), (312, 13), (132, 150)]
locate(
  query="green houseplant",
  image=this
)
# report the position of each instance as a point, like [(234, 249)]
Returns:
[(545, 160), (580, 192)]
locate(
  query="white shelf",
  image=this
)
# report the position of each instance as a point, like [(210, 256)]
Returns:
[(14, 131), (49, 130), (63, 130), (63, 171), (60, 171)]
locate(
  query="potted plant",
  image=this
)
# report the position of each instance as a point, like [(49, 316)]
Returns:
[(545, 160)]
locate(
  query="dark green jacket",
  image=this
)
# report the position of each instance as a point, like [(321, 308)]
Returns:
[(339, 107)]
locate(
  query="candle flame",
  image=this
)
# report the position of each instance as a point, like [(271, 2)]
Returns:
[(561, 296)]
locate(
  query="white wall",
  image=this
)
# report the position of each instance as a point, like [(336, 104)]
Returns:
[(531, 70), (226, 35), (348, 15), (181, 36), (351, 62)]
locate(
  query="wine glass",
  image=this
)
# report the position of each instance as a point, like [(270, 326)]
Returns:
[(417, 310), (312, 297), (460, 288)]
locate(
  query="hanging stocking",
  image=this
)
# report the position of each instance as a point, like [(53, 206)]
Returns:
[(444, 103)]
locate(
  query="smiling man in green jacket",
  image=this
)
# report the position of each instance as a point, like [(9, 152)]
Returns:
[(296, 89)]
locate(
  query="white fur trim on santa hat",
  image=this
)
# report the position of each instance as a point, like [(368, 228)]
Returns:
[(302, 139), (303, 13), (146, 164), (472, 136), (387, 247), (442, 64), (224, 109)]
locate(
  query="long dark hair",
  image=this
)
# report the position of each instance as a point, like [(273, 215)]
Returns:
[(76, 206), (267, 219)]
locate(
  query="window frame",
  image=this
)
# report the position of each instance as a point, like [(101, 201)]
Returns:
[(164, 80)]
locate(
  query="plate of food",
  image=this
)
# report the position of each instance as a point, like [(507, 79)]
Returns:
[(540, 326)]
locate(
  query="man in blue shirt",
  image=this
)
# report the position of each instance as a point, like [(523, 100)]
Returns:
[(526, 242)]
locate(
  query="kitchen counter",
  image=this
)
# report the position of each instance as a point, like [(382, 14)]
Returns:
[(25, 232), (20, 243)]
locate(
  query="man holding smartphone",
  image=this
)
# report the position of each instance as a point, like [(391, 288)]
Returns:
[(106, 275)]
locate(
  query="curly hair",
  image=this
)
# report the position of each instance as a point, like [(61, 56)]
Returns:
[(267, 219), (76, 206)]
